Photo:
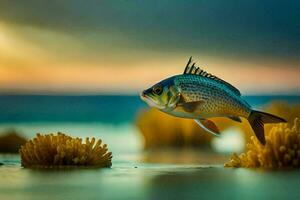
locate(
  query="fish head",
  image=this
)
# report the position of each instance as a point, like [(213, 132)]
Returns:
[(160, 94)]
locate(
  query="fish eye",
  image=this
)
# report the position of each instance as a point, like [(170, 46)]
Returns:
[(157, 90)]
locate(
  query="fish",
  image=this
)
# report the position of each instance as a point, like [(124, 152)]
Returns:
[(199, 95)]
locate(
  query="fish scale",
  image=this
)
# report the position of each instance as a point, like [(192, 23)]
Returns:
[(219, 99)]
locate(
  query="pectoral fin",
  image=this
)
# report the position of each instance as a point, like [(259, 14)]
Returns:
[(208, 126), (234, 118), (191, 106)]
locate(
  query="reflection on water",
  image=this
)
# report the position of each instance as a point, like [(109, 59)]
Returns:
[(220, 183), (135, 179), (183, 156)]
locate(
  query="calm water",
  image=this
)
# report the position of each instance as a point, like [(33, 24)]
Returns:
[(135, 174), (104, 109), (129, 179)]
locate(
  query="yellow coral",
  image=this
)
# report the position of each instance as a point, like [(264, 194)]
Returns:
[(281, 150), (59, 150), (162, 130)]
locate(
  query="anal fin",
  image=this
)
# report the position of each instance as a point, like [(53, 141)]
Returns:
[(208, 126)]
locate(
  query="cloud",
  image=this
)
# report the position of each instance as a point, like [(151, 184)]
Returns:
[(247, 29)]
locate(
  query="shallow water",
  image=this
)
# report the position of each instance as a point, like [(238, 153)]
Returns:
[(135, 174), (130, 178)]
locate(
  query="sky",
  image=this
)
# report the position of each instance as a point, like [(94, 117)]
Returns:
[(124, 46)]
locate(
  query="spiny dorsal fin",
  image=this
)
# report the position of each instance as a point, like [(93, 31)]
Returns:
[(200, 72), (187, 65)]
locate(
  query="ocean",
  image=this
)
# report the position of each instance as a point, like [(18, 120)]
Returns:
[(109, 109), (135, 173)]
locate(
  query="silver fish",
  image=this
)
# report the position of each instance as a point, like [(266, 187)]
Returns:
[(199, 95)]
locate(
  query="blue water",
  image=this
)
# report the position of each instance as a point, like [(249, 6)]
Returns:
[(135, 174), (101, 108), (41, 108)]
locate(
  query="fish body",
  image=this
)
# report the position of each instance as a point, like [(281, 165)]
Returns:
[(215, 99), (198, 95)]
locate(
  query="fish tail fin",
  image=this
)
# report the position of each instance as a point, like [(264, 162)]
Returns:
[(257, 120)]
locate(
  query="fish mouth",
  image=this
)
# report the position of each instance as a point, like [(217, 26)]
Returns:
[(143, 96), (146, 98)]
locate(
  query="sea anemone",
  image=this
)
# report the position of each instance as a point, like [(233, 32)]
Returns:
[(60, 150), (161, 130), (281, 150)]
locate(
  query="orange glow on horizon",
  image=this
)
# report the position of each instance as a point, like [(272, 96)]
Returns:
[(87, 78), (32, 67)]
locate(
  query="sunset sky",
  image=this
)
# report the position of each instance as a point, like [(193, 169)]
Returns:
[(93, 47)]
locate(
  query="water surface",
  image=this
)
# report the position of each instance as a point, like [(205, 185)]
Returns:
[(135, 174)]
